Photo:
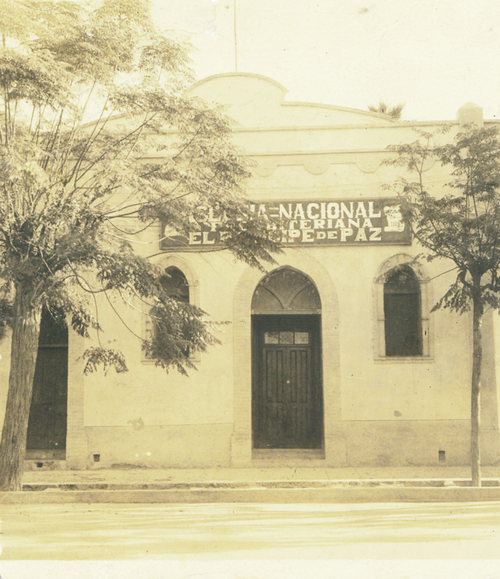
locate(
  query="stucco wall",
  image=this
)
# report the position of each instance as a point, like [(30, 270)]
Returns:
[(376, 411)]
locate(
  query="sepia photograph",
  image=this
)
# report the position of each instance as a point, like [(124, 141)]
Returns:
[(249, 289)]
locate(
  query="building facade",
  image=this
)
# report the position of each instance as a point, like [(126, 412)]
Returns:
[(330, 358)]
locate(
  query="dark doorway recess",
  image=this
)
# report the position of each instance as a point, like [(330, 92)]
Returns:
[(49, 405)]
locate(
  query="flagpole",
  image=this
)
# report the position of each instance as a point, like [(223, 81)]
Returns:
[(235, 40)]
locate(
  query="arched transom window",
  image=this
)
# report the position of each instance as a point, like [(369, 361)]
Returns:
[(284, 291)]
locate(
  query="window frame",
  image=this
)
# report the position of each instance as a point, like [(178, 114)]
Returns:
[(380, 354), (193, 285)]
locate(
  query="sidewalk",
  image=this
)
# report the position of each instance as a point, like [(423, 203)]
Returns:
[(256, 485), (141, 478)]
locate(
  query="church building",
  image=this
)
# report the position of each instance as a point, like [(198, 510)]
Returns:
[(332, 357)]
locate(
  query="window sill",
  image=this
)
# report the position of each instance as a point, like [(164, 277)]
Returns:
[(404, 359)]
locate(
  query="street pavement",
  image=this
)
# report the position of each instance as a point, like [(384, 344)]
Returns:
[(212, 541)]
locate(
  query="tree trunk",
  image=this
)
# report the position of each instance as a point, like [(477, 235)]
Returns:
[(475, 417), (24, 349)]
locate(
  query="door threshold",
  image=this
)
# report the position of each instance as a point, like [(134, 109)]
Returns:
[(288, 454), (45, 454)]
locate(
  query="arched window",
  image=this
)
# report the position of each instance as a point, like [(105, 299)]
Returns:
[(402, 312), (175, 284), (402, 303)]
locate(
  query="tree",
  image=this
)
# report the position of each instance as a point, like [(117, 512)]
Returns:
[(462, 226), (384, 109), (98, 141)]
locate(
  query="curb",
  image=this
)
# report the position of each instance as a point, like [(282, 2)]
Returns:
[(270, 484), (257, 495)]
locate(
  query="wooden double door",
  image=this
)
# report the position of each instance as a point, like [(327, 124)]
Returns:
[(287, 397)]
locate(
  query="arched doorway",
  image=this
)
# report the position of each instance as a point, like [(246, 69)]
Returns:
[(287, 393), (48, 413)]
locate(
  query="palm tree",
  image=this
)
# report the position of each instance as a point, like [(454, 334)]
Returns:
[(384, 109)]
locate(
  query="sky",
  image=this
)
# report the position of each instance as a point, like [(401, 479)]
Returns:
[(432, 55)]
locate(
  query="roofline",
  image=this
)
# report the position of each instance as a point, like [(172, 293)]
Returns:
[(391, 123), (285, 91), (268, 79)]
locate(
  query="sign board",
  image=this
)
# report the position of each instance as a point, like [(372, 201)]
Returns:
[(306, 223)]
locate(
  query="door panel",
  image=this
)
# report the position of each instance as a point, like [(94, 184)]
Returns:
[(287, 393)]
